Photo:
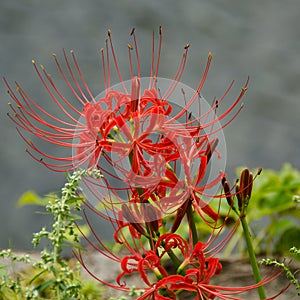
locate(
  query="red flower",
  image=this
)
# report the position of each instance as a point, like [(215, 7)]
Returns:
[(144, 135), (195, 266), (90, 129)]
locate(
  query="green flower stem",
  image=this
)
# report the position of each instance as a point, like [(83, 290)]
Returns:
[(253, 261), (192, 225), (174, 258)]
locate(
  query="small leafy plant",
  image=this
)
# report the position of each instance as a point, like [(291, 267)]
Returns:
[(285, 268), (51, 276)]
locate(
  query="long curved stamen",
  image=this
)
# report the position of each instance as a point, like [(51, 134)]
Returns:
[(136, 53)]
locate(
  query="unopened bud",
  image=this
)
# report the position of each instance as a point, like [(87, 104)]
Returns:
[(250, 184), (180, 214), (244, 181), (239, 196), (135, 93), (211, 148), (259, 171), (227, 192)]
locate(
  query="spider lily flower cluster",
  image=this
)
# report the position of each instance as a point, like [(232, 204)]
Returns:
[(153, 141)]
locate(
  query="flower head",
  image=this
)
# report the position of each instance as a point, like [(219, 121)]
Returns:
[(150, 137)]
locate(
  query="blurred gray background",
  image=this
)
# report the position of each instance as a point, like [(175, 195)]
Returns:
[(256, 38)]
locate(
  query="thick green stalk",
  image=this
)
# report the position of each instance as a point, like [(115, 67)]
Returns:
[(174, 258), (192, 224), (253, 261)]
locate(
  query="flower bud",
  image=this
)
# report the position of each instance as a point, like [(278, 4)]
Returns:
[(227, 191), (211, 148), (239, 196), (244, 182), (180, 214), (135, 94)]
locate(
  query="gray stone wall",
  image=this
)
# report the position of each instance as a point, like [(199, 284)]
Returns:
[(256, 38)]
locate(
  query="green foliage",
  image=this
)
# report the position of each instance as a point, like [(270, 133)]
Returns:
[(50, 276), (289, 274), (273, 214), (31, 198)]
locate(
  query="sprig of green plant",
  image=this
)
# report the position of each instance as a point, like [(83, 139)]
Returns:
[(51, 276), (11, 288), (295, 251), (63, 230), (289, 274)]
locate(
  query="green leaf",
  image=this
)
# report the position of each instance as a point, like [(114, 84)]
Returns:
[(44, 285), (37, 276), (30, 198), (289, 238), (280, 226), (72, 200), (3, 270)]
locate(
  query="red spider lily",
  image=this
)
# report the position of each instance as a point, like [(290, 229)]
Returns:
[(93, 124), (167, 150), (193, 265), (151, 149)]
